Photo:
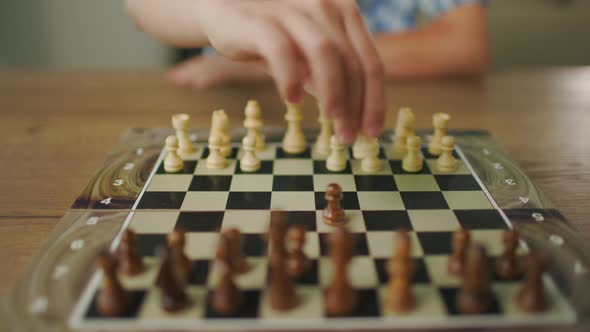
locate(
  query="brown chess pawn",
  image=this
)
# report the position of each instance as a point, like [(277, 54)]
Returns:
[(400, 295), (129, 262), (531, 297), (112, 300), (238, 261), (474, 297), (456, 262), (507, 264), (297, 262), (177, 242), (333, 213), (171, 283), (340, 298), (401, 251), (226, 298)]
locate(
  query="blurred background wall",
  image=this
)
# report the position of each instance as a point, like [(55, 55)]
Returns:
[(69, 34)]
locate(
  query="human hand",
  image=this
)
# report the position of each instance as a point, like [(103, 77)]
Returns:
[(213, 70), (319, 43)]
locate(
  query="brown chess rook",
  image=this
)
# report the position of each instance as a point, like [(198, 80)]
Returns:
[(129, 262), (340, 298), (176, 243), (171, 283), (297, 263), (461, 241), (507, 264), (474, 297), (112, 300), (333, 213), (226, 298), (238, 262), (531, 297)]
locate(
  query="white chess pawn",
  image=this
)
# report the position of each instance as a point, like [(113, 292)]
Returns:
[(322, 144), (359, 145), (447, 162), (172, 163), (413, 161), (336, 161), (294, 140), (439, 123), (404, 128), (180, 122), (370, 162), (215, 160), (253, 123), (220, 127), (249, 162)]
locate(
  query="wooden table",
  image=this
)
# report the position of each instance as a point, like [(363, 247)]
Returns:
[(57, 127)]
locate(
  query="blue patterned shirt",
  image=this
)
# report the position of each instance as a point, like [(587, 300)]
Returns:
[(401, 15)]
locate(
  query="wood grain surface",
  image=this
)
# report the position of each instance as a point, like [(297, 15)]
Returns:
[(56, 129)]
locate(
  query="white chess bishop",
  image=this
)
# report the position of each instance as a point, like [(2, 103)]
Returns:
[(249, 162)]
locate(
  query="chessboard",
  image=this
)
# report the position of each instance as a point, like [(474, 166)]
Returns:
[(486, 194), (429, 204)]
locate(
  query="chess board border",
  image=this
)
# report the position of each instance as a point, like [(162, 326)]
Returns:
[(76, 319)]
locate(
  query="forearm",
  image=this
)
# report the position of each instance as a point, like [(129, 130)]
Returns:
[(436, 49), (176, 22)]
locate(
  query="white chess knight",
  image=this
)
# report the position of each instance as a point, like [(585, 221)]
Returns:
[(180, 122), (215, 160), (249, 161), (172, 162), (253, 122), (220, 128), (336, 161), (294, 140), (404, 128), (370, 162)]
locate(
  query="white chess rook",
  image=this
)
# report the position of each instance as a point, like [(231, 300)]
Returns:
[(180, 122)]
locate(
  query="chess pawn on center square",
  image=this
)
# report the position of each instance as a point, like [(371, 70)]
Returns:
[(220, 127), (413, 160), (322, 144), (336, 161), (359, 146), (253, 123), (172, 163), (370, 162), (215, 160), (447, 162), (439, 122), (249, 162), (180, 122), (294, 140)]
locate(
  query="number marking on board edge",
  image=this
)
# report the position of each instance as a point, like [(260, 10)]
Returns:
[(129, 166), (92, 221), (106, 201), (77, 244), (523, 199), (39, 305), (510, 182), (118, 182), (60, 271), (538, 216)]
